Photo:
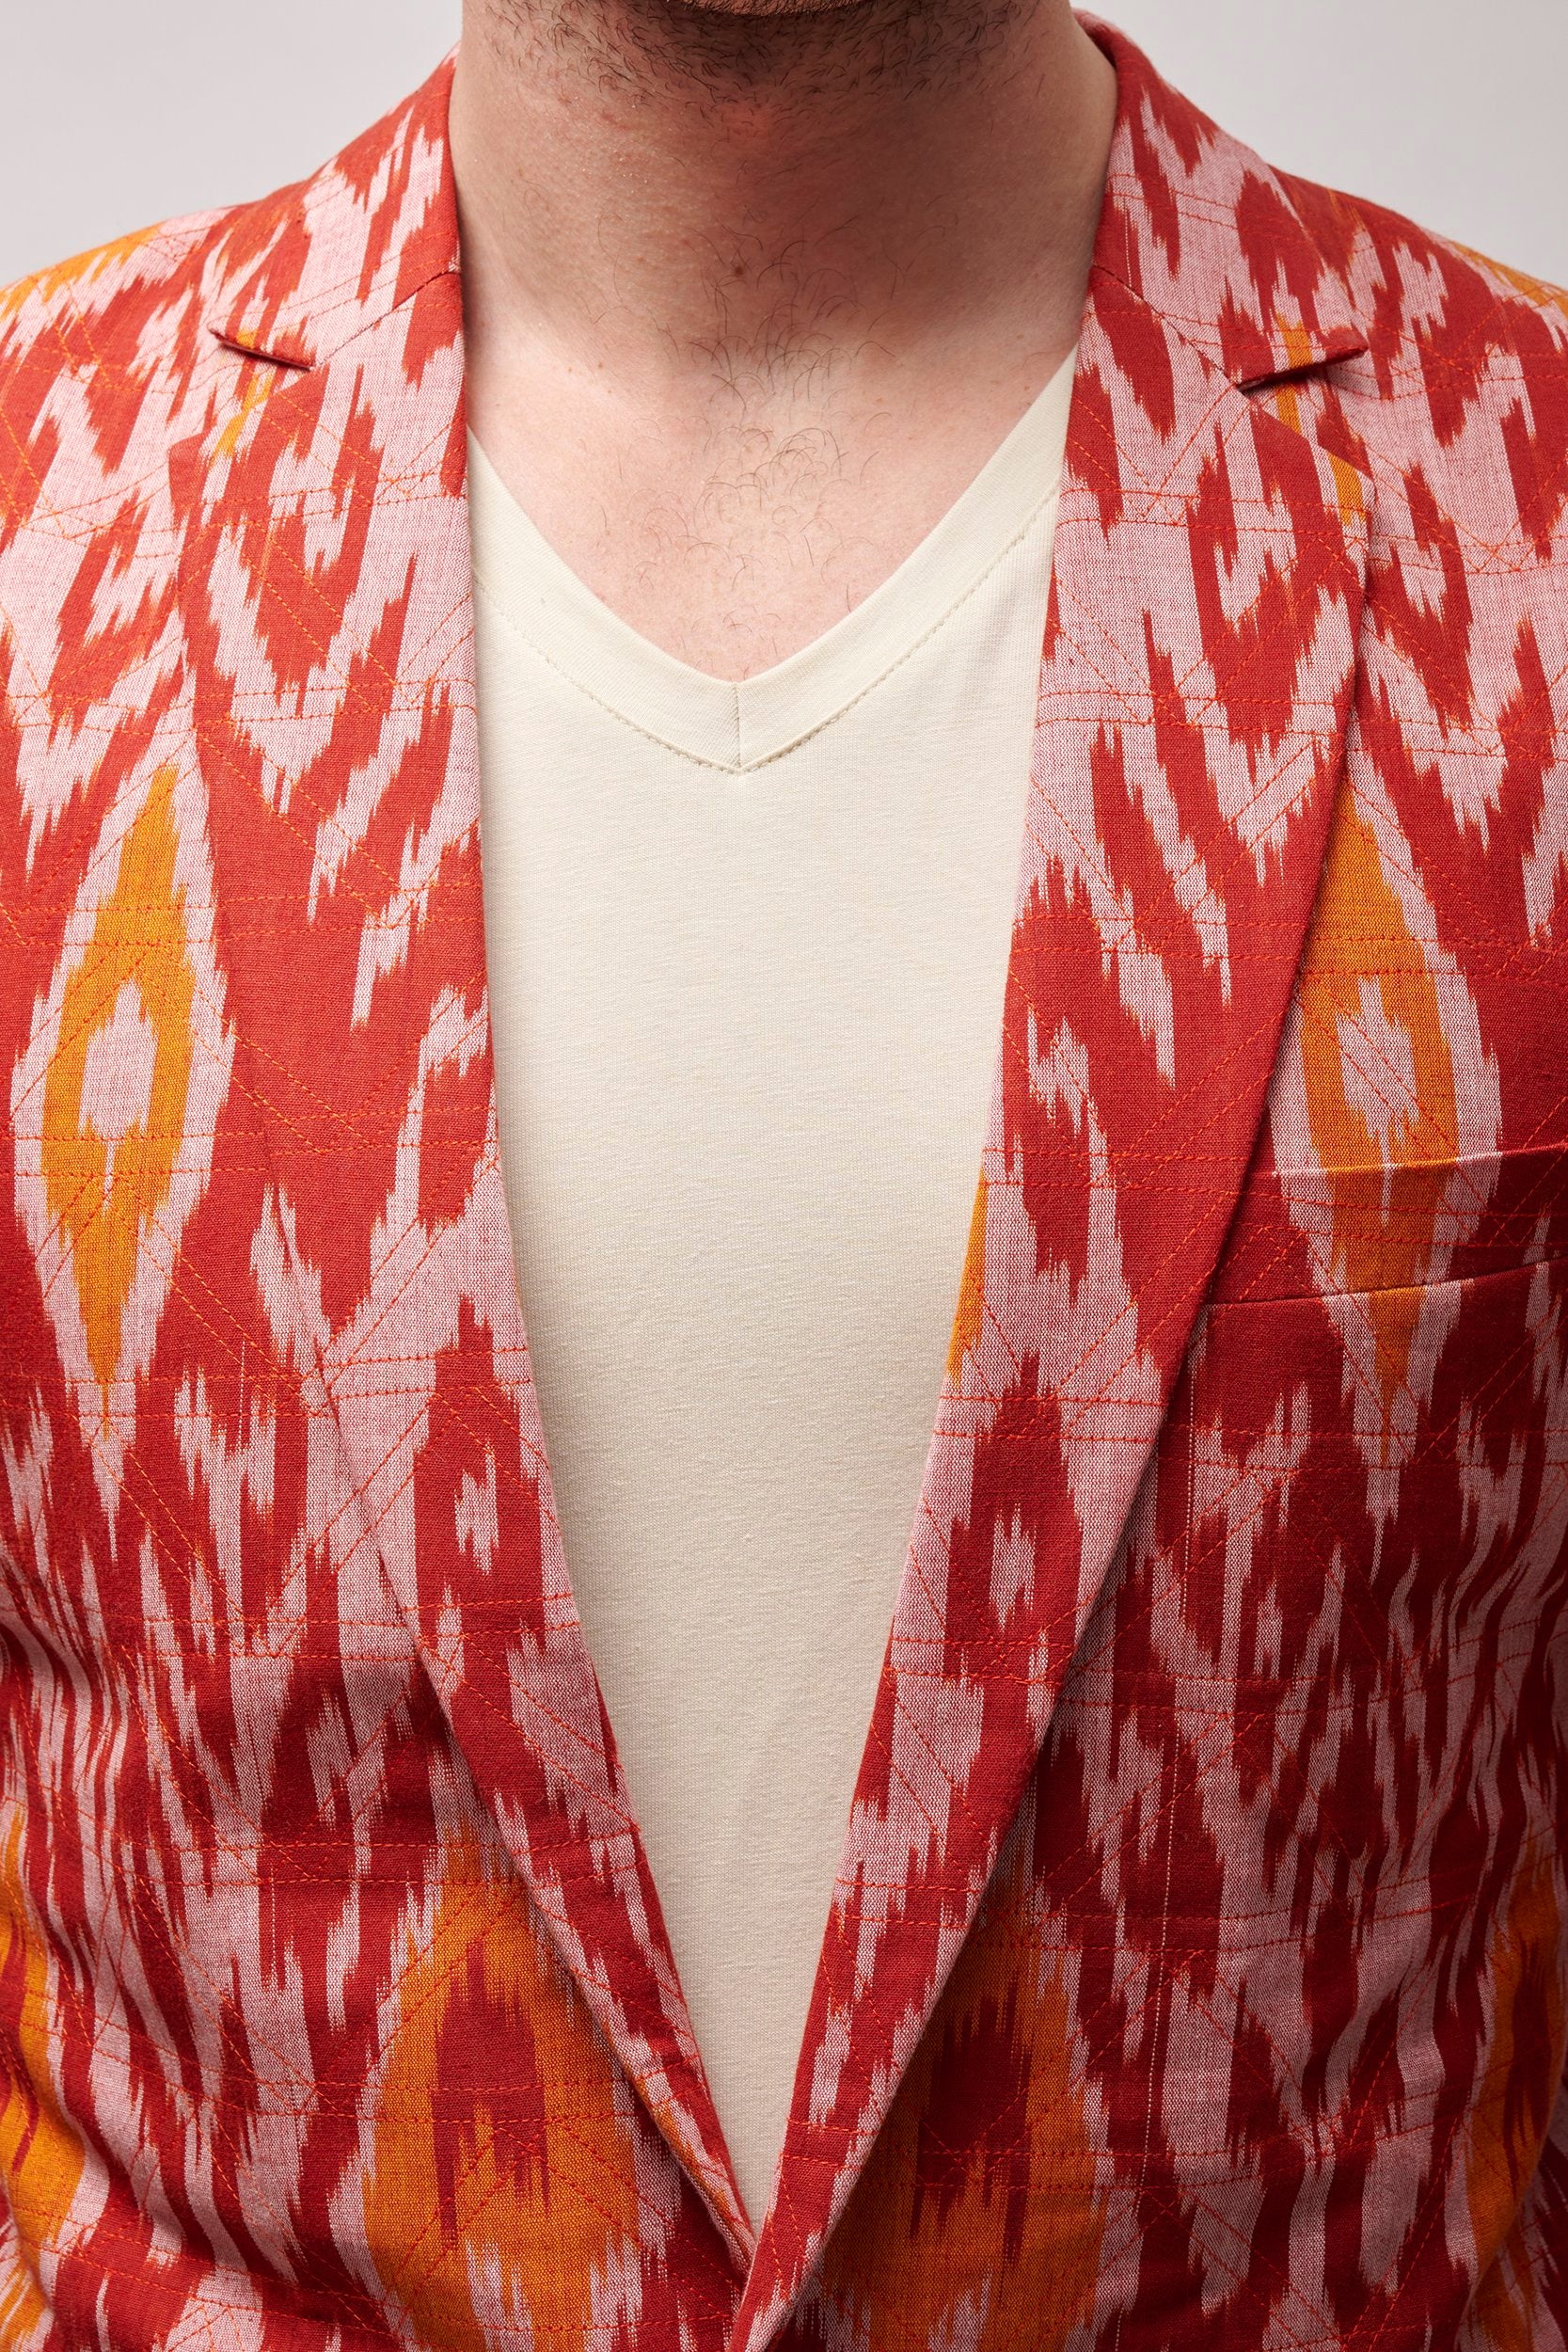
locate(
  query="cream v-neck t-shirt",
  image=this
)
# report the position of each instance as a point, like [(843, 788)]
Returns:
[(747, 945)]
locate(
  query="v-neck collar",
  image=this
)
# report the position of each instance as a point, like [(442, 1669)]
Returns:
[(741, 723)]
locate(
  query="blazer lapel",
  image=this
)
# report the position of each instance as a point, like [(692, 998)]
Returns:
[(1195, 680), (324, 595)]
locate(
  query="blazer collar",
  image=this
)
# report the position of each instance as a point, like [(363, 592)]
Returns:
[(1193, 224), (302, 272), (1208, 235), (1198, 660)]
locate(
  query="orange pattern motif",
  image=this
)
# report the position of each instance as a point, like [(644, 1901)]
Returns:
[(512, 2205), (122, 1059), (40, 2156), (1196, 1971), (979, 2218)]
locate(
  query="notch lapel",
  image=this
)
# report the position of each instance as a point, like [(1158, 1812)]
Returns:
[(1195, 677), (1196, 674), (327, 634)]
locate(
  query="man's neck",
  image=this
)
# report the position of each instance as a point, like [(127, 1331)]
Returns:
[(680, 193), (748, 304)]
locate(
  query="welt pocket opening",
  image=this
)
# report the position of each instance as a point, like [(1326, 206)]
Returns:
[(1362, 1232), (1384, 1289)]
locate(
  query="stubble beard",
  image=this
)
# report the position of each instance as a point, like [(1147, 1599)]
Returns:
[(803, 51)]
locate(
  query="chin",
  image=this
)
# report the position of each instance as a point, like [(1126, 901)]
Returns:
[(771, 7)]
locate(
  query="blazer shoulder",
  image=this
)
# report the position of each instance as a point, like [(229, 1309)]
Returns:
[(107, 287), (1461, 394), (99, 355), (1412, 284)]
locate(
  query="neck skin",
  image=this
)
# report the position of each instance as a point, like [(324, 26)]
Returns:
[(675, 195), (750, 296)]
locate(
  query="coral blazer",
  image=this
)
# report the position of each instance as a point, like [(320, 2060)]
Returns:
[(1197, 1973)]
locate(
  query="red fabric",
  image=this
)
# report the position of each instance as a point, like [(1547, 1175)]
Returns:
[(1198, 1973)]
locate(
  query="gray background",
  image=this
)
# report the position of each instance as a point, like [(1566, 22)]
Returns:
[(117, 114)]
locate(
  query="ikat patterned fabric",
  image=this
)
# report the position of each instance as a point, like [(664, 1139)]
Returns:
[(1197, 1968)]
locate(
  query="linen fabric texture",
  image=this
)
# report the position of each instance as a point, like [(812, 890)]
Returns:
[(1196, 1970)]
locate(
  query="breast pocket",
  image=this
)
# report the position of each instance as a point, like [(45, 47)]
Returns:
[(1314, 1231), (1379, 1450), (1408, 1312)]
